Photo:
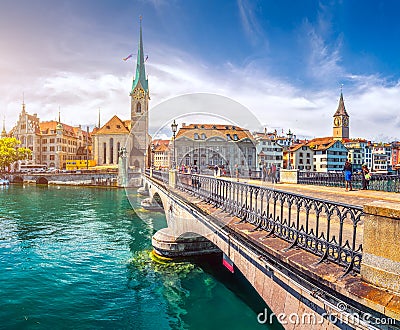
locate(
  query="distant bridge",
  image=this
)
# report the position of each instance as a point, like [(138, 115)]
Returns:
[(102, 178), (334, 262)]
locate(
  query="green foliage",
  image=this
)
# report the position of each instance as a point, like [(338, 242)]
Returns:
[(10, 152)]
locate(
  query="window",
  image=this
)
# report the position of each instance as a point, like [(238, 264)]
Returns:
[(51, 157), (52, 148), (51, 140), (196, 136), (111, 151), (104, 152)]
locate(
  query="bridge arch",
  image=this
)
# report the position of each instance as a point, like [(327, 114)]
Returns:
[(18, 179), (42, 180)]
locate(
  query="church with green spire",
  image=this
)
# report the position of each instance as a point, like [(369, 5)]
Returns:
[(131, 134)]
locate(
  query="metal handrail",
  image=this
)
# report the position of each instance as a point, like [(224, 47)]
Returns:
[(325, 228)]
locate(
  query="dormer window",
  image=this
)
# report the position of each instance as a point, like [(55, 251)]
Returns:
[(228, 137), (108, 127), (214, 127), (233, 127), (202, 126), (235, 137), (196, 136), (203, 136), (118, 126), (195, 126)]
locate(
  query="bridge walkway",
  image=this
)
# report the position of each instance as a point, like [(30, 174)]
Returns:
[(355, 197), (303, 262)]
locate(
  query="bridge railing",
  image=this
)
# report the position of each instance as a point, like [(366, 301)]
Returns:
[(161, 175), (381, 182), (326, 229)]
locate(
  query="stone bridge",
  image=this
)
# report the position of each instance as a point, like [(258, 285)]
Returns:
[(109, 179), (285, 246)]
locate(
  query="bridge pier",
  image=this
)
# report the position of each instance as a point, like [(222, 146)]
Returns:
[(381, 256), (166, 244)]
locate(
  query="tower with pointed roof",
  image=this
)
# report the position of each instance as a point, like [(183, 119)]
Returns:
[(4, 132), (139, 111), (341, 121)]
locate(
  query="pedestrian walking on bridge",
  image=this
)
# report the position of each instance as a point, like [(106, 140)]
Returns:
[(348, 171)]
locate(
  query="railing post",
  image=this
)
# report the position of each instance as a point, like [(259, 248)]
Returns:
[(381, 245), (172, 178), (289, 176)]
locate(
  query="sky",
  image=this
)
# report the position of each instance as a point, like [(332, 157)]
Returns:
[(285, 62)]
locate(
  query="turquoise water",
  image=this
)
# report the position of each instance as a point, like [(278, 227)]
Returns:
[(80, 258)]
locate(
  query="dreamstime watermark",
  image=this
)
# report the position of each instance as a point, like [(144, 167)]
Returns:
[(337, 315)]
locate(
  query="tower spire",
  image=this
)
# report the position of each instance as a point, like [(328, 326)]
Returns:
[(99, 119), (140, 74), (4, 133), (341, 110), (23, 102)]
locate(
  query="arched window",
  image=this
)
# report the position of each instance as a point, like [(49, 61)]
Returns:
[(29, 140), (104, 152), (111, 151), (22, 139), (118, 147), (138, 107)]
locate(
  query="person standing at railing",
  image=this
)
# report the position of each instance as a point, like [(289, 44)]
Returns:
[(366, 176), (348, 170), (273, 173)]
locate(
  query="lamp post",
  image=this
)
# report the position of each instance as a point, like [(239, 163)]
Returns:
[(289, 135), (87, 147), (174, 127), (152, 147)]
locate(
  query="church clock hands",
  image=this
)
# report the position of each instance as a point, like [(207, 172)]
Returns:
[(138, 94)]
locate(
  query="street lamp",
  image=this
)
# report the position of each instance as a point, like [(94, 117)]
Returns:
[(174, 127), (289, 135), (87, 147), (152, 147)]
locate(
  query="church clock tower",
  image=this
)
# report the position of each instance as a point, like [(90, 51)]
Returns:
[(341, 121), (139, 111)]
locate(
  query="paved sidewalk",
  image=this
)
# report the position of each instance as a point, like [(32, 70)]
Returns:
[(336, 194)]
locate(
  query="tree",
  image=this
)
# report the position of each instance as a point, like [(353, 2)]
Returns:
[(10, 152)]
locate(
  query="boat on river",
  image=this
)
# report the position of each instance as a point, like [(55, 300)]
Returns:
[(4, 182)]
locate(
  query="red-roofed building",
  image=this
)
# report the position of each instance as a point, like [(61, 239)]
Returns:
[(207, 145), (52, 142)]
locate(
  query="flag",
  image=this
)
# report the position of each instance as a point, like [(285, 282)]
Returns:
[(147, 57), (227, 262), (128, 57)]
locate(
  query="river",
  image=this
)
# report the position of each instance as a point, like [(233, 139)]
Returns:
[(80, 258)]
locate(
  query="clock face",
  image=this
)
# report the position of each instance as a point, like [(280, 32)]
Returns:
[(337, 121), (138, 94), (345, 121)]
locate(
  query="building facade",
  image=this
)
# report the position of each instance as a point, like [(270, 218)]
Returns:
[(207, 145), (52, 143), (131, 134), (329, 154), (268, 151), (301, 157)]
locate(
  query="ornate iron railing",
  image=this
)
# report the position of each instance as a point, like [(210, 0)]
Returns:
[(324, 228), (160, 175), (381, 182)]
